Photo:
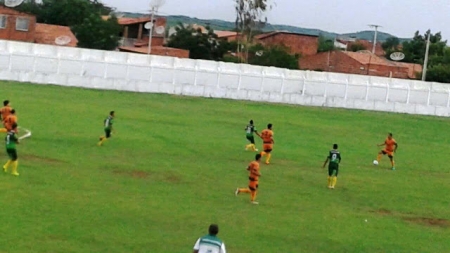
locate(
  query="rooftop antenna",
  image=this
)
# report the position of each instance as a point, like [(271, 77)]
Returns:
[(13, 3), (375, 37), (62, 40), (155, 4)]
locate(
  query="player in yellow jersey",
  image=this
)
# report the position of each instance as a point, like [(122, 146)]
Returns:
[(267, 137)]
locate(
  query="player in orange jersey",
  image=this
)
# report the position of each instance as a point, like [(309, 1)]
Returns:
[(11, 121), (5, 111), (267, 137), (254, 176), (390, 148)]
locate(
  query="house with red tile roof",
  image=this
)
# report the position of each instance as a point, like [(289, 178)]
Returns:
[(19, 26), (302, 44), (361, 63), (135, 37)]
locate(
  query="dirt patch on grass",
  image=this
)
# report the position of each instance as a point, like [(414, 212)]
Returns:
[(133, 173), (432, 222), (383, 212), (170, 177), (35, 158)]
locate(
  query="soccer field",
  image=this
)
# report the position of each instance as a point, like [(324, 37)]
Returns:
[(173, 164)]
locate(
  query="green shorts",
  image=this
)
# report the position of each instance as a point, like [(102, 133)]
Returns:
[(108, 132), (12, 153), (251, 139), (333, 169)]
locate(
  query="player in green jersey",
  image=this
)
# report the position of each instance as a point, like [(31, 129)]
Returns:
[(334, 158), (249, 130), (11, 141), (108, 127)]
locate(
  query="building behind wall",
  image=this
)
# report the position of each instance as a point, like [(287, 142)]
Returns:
[(361, 63)]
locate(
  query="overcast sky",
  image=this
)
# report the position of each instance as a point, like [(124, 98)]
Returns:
[(398, 17)]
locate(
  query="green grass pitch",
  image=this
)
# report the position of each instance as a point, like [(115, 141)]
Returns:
[(174, 162)]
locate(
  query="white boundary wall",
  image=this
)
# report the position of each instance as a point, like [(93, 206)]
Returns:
[(44, 64)]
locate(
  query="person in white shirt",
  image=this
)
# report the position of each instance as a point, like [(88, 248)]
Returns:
[(210, 243)]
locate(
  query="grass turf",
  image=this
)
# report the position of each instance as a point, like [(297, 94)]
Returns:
[(174, 162)]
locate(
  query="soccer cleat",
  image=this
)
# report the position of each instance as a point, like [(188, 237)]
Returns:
[(15, 174), (255, 203), (330, 187), (267, 163), (393, 168), (256, 150), (5, 169), (236, 192)]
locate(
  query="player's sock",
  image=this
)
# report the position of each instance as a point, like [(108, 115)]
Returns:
[(329, 181), (393, 164), (3, 130), (244, 190), (252, 196), (7, 164), (379, 157), (15, 164), (253, 147), (334, 180), (269, 155)]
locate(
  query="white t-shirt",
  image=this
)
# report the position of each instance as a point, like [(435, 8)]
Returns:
[(209, 244)]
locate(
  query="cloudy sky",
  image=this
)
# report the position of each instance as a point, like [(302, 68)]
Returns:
[(398, 17)]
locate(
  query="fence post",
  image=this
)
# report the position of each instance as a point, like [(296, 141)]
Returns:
[(196, 71), (262, 81), (283, 76), (388, 88), (82, 68), (10, 62), (34, 64), (105, 74), (409, 93), (218, 76), (367, 90), (346, 89), (174, 73), (448, 99)]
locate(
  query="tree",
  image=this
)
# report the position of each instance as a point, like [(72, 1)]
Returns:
[(355, 47), (325, 44), (205, 46), (96, 33), (414, 49), (273, 56), (249, 17), (391, 45)]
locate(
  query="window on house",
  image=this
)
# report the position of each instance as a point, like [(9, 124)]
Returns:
[(3, 19), (22, 24)]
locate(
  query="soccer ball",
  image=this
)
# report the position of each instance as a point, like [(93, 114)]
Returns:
[(375, 162)]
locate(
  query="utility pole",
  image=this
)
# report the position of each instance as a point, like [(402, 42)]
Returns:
[(151, 31), (375, 37), (425, 63)]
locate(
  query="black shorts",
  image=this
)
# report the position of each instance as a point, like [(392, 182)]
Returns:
[(251, 139), (333, 170), (107, 133), (12, 153)]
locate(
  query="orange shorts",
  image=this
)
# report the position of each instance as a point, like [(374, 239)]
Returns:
[(386, 152), (253, 185), (267, 147)]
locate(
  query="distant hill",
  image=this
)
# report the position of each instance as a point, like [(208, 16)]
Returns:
[(216, 24)]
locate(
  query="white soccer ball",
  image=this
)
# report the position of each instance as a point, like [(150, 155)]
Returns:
[(375, 162)]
